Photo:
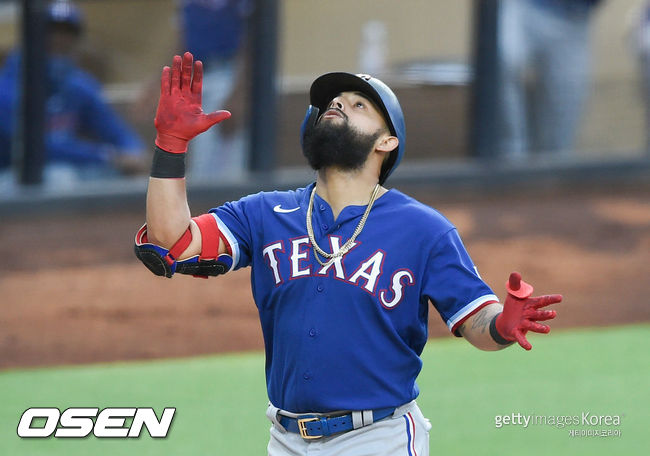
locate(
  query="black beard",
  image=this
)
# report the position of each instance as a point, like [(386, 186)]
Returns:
[(337, 145)]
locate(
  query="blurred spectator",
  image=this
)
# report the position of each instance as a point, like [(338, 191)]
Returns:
[(640, 41), (215, 31), (85, 138), (545, 63)]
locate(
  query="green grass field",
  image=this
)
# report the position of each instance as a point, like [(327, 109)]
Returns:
[(221, 400)]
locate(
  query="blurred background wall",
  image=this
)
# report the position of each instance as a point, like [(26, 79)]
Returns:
[(128, 42)]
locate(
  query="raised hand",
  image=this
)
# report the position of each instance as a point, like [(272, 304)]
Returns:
[(180, 116)]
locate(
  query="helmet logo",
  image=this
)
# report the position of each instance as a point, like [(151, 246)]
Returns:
[(366, 77)]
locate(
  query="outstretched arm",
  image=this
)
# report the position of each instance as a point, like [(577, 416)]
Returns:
[(497, 326), (179, 118)]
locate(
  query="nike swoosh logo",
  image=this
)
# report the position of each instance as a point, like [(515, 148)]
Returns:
[(279, 209)]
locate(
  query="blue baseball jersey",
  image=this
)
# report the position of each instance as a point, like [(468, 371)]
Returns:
[(348, 336)]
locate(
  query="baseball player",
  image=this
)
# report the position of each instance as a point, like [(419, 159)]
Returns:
[(343, 271)]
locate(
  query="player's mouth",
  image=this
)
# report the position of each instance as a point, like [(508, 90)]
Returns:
[(333, 113)]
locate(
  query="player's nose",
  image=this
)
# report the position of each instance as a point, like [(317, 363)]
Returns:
[(336, 103)]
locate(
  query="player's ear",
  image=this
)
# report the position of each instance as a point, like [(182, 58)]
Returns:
[(387, 143)]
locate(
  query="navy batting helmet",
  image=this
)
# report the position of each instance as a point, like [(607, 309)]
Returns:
[(326, 87)]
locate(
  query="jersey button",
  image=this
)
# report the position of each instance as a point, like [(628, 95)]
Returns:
[(306, 375), (320, 288), (322, 207), (312, 332), (325, 227)]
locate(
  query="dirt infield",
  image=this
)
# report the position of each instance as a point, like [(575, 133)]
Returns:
[(72, 291)]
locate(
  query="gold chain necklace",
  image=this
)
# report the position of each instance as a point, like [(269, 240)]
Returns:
[(348, 245)]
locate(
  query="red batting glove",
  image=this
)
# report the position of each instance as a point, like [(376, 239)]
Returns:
[(520, 312), (179, 117)]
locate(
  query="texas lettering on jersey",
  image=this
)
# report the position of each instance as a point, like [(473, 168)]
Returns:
[(366, 274)]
